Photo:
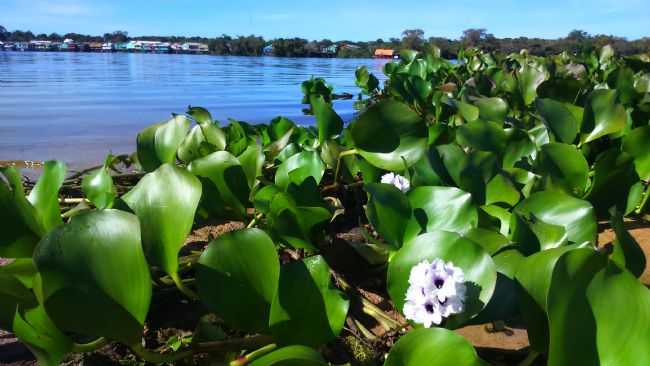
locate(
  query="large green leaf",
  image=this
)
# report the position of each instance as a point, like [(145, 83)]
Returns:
[(388, 133), (95, 265), (157, 144), (99, 189), (432, 347), (476, 263), (291, 356), (328, 122), (637, 144), (237, 276), (194, 146), (627, 252), (441, 208), (481, 135), (492, 109), (165, 202), (45, 195), (13, 292), (563, 168), (306, 310), (529, 78), (388, 211), (21, 228), (539, 217), (252, 161), (613, 178), (563, 119), (298, 168), (228, 176), (36, 330), (501, 189), (603, 116)]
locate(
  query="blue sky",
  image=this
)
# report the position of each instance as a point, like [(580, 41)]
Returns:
[(335, 19)]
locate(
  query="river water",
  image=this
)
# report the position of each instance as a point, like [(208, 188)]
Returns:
[(77, 107)]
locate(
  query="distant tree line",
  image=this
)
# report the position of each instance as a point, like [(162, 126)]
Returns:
[(253, 45)]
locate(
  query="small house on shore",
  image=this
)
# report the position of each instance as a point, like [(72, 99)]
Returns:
[(385, 53), (193, 47), (69, 45), (37, 45)]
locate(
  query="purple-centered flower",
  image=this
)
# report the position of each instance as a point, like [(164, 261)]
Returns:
[(436, 291), (397, 180)]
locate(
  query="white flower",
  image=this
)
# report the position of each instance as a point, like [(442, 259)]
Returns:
[(397, 180), (436, 291)]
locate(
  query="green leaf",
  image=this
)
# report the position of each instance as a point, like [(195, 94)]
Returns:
[(299, 167), (328, 122), (555, 209), (637, 144), (441, 208), (534, 275), (95, 265), (529, 78), (501, 189), (157, 144), (36, 330), (99, 189), (481, 135), (200, 114), (563, 168), (291, 356), (306, 310), (489, 240), (477, 265), (627, 252), (388, 211), (432, 347), (21, 228), (13, 292), (563, 119), (469, 112), (388, 133), (194, 146), (252, 161), (492, 109), (45, 195), (237, 276), (613, 178), (602, 116), (165, 202), (228, 176)]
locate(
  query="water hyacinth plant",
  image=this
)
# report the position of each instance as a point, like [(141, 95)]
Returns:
[(460, 193)]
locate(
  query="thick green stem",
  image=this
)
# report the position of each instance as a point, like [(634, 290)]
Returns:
[(233, 345), (245, 360), (89, 347), (338, 167), (254, 220), (182, 288)]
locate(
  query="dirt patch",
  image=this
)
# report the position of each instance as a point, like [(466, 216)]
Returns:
[(640, 231), (212, 230), (484, 335)]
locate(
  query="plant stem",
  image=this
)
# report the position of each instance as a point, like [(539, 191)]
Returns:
[(231, 345), (254, 220), (182, 288), (338, 166), (245, 360), (158, 358), (90, 346)]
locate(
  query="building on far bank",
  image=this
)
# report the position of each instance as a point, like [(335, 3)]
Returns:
[(108, 47), (94, 46), (193, 47), (268, 50), (37, 45), (69, 45), (329, 51), (2, 46), (385, 53)]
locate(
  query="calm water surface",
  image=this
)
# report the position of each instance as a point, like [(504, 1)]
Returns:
[(79, 106)]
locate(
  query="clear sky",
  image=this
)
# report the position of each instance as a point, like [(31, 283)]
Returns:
[(359, 20)]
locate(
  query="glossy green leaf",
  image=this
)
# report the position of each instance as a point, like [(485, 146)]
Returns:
[(21, 228), (476, 263), (327, 120), (299, 167), (237, 276), (388, 133), (291, 356), (13, 292), (501, 189), (432, 347), (306, 310), (603, 116), (165, 201), (637, 144), (36, 330), (469, 112), (481, 135), (562, 119), (627, 252), (441, 208), (529, 78), (554, 210), (228, 176), (492, 109), (95, 265), (252, 161), (194, 146), (157, 144), (563, 168), (99, 189), (613, 178), (388, 211), (45, 195), (489, 240)]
